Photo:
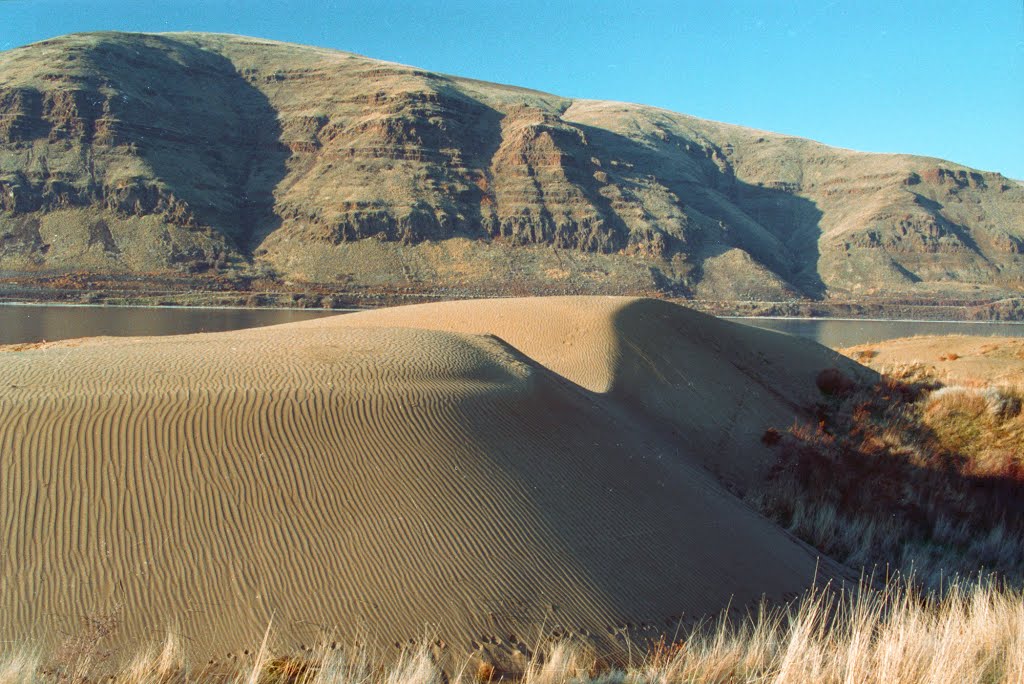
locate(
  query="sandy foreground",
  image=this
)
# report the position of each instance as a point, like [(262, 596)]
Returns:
[(480, 473)]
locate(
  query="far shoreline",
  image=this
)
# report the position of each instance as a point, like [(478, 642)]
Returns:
[(216, 292), (865, 320), (344, 310), (194, 307)]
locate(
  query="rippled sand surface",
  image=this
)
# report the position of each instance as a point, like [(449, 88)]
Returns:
[(477, 472)]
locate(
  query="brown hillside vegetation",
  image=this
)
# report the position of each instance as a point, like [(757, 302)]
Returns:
[(921, 473), (151, 154), (359, 479)]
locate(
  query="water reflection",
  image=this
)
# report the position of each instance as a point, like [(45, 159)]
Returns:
[(846, 333), (36, 323)]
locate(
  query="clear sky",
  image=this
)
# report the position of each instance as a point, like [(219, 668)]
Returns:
[(938, 77)]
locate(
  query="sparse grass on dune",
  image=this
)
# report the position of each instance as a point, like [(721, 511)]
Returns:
[(973, 632), (983, 424), (907, 475)]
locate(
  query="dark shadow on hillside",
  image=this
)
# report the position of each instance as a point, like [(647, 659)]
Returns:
[(477, 135), (858, 448), (741, 209), (764, 373), (657, 503), (857, 453), (209, 136), (962, 233)]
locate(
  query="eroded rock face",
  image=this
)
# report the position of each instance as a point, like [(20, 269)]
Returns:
[(201, 151)]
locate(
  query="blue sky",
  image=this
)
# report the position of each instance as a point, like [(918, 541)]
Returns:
[(940, 78)]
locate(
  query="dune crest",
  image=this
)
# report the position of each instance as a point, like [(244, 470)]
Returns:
[(710, 383), (373, 477)]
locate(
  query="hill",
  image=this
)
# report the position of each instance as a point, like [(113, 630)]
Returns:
[(222, 159)]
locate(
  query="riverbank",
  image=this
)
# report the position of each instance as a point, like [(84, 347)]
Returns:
[(246, 292)]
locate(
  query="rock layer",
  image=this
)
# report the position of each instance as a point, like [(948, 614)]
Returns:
[(197, 152)]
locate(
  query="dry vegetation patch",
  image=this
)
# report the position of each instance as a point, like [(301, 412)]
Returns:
[(971, 633), (906, 475), (984, 424)]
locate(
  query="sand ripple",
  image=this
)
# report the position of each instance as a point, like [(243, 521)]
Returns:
[(367, 478)]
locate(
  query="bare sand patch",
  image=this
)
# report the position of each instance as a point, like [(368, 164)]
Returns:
[(951, 359), (688, 376)]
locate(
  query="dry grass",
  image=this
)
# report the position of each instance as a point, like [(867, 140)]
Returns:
[(864, 355), (84, 651), (908, 476), (971, 633), (985, 425)]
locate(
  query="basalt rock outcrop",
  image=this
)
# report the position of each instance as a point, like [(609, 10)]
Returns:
[(192, 153)]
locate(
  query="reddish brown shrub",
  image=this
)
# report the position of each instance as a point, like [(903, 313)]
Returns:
[(771, 437), (834, 382)]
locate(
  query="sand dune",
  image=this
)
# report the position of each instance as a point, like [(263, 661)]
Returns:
[(710, 383), (469, 471)]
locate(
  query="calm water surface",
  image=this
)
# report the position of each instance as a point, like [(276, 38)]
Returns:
[(31, 323), (27, 323), (846, 333)]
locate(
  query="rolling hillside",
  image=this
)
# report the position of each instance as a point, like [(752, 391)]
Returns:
[(198, 155)]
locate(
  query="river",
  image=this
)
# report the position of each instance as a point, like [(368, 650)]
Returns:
[(35, 323), (838, 333)]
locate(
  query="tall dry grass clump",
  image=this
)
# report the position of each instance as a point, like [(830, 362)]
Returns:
[(983, 424), (972, 632)]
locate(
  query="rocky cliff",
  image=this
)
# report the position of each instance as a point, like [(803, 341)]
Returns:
[(197, 153)]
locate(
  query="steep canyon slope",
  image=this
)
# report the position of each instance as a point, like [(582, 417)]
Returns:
[(200, 154)]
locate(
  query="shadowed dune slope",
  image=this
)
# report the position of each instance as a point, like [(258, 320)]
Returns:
[(372, 483), (711, 384)]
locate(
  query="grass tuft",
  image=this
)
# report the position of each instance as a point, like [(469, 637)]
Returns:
[(970, 632)]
